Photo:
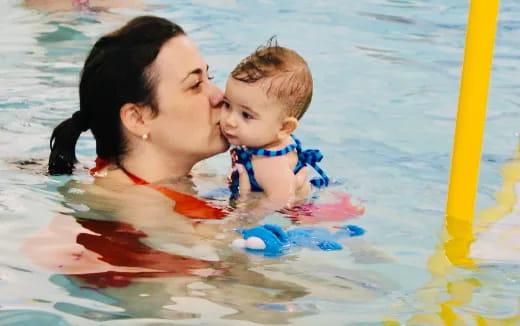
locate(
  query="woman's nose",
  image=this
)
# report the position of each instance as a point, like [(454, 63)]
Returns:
[(216, 97)]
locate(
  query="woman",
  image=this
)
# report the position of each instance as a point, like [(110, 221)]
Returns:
[(146, 95)]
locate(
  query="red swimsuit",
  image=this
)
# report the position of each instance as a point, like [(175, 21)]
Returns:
[(119, 244), (186, 205)]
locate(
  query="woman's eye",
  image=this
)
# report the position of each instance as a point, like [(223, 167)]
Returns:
[(246, 115), (211, 77), (196, 85), (225, 104)]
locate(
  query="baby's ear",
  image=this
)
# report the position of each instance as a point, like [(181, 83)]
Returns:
[(289, 124)]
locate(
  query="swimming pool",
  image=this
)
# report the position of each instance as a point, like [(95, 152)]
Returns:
[(386, 85)]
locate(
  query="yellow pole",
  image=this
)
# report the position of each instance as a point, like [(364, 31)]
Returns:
[(471, 114), (465, 163)]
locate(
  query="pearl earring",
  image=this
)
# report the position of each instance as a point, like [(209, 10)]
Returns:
[(144, 136)]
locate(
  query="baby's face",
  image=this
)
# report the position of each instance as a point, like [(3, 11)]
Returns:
[(249, 117)]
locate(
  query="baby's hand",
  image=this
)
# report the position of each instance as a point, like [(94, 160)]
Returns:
[(243, 180)]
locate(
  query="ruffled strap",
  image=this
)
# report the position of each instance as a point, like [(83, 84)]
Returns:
[(242, 156), (280, 152), (312, 157)]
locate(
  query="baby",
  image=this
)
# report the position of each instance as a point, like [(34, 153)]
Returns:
[(266, 95)]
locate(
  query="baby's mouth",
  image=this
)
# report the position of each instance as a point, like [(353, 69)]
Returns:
[(222, 131), (228, 135)]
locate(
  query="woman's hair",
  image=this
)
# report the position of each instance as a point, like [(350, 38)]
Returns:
[(118, 70)]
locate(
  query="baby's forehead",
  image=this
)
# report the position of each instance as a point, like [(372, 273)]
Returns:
[(277, 84), (264, 84), (272, 87)]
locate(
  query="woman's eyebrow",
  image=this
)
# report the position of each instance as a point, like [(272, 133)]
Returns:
[(196, 71)]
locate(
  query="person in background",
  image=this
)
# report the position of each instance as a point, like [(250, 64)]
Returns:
[(81, 5)]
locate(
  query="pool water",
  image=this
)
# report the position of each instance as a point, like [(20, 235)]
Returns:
[(386, 78)]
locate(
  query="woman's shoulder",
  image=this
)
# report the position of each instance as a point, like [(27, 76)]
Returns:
[(111, 192)]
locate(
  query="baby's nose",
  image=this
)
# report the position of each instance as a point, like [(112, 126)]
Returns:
[(227, 119)]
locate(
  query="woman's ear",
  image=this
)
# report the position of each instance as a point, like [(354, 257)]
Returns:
[(289, 124), (135, 118)]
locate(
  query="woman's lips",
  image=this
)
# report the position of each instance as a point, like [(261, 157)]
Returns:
[(220, 129)]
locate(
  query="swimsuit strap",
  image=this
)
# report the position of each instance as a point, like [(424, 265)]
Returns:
[(244, 156), (280, 152), (101, 163), (310, 157), (187, 205), (135, 179)]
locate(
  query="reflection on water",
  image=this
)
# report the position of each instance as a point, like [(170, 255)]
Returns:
[(386, 78), (110, 256)]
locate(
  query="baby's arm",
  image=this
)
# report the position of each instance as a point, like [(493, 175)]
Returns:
[(277, 179)]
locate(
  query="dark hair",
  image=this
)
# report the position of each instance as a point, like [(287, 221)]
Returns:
[(286, 74), (116, 71)]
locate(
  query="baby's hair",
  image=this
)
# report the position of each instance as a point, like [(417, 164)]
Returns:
[(283, 73)]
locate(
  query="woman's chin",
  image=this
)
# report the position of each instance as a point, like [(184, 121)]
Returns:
[(224, 144)]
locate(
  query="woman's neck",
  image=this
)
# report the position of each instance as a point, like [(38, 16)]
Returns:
[(153, 168)]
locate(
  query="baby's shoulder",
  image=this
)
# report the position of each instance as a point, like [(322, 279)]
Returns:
[(287, 160)]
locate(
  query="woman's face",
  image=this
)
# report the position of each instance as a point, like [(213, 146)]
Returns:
[(187, 126)]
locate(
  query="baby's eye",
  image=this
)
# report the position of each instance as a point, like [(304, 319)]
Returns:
[(225, 104), (246, 115)]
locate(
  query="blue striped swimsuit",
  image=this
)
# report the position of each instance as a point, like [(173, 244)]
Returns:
[(243, 156)]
